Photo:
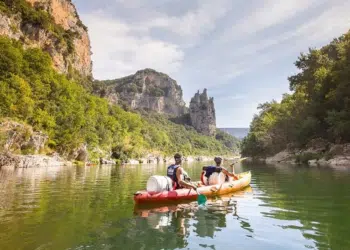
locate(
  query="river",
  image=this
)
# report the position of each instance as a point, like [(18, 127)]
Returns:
[(92, 208)]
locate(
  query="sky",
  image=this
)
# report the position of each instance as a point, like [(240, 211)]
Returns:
[(241, 51)]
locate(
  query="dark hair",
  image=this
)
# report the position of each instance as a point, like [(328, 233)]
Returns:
[(218, 159), (177, 155)]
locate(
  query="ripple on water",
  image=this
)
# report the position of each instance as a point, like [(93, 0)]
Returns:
[(92, 207)]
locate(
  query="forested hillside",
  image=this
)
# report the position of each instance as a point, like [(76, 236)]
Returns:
[(31, 91), (318, 108)]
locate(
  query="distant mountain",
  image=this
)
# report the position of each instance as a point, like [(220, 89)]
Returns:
[(240, 133)]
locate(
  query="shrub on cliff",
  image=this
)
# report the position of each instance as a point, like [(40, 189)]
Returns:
[(38, 17)]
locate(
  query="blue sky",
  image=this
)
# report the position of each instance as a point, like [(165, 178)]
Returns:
[(241, 51)]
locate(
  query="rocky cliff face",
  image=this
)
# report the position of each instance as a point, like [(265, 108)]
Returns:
[(202, 113), (52, 25), (147, 89), (18, 137)]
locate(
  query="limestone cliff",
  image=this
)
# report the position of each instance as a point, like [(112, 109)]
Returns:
[(202, 113), (19, 137), (146, 89), (52, 25)]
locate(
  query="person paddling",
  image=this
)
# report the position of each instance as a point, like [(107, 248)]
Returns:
[(208, 171), (178, 175), (218, 161)]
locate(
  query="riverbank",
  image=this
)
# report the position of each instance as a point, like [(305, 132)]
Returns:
[(160, 159), (321, 154), (54, 160), (22, 147), (32, 161)]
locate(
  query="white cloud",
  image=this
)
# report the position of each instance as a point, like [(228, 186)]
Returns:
[(265, 15), (232, 97), (330, 23), (221, 42), (132, 4), (121, 49), (195, 22)]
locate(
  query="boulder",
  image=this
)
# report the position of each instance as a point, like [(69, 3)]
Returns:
[(323, 162), (281, 157), (340, 149), (317, 145), (79, 154), (32, 161), (36, 142), (6, 159), (313, 163), (21, 137), (133, 161), (339, 161), (106, 161)]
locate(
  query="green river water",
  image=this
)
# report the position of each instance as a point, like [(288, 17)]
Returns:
[(92, 208)]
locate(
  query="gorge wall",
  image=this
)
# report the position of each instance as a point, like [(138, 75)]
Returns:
[(146, 89), (154, 91), (48, 118), (52, 25), (202, 113)]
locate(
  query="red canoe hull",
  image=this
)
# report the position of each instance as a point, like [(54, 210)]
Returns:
[(190, 194)]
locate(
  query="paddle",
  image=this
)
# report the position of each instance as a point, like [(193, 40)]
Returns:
[(201, 198), (233, 164)]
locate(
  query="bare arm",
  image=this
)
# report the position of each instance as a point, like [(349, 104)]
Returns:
[(233, 167), (227, 172), (224, 170), (180, 177)]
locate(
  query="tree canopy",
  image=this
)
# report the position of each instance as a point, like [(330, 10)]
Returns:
[(319, 106), (31, 91)]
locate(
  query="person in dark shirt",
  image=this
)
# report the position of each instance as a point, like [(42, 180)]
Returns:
[(208, 171), (218, 161), (178, 174)]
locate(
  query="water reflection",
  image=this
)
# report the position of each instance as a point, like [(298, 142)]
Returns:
[(92, 207), (205, 220), (312, 201)]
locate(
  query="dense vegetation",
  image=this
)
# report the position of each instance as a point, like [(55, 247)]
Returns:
[(132, 85), (33, 92), (318, 108), (38, 17), (175, 137)]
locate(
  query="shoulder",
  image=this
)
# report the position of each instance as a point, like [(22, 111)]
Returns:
[(179, 169)]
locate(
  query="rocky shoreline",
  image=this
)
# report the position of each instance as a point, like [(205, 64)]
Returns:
[(32, 161), (37, 161), (320, 154), (22, 147)]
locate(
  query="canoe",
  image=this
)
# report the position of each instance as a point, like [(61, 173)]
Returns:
[(189, 194), (146, 209)]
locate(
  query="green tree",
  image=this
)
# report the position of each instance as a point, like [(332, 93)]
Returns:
[(318, 107)]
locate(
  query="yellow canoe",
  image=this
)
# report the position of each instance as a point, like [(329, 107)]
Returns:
[(189, 194)]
